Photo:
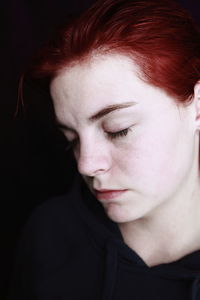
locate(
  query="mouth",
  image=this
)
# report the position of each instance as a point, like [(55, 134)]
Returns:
[(105, 194)]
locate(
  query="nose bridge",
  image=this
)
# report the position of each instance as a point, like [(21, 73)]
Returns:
[(93, 157)]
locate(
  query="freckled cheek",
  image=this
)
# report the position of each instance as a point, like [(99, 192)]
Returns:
[(142, 160), (127, 159)]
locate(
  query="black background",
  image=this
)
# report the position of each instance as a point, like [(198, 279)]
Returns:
[(33, 163)]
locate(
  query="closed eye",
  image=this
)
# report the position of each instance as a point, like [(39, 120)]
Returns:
[(111, 135), (118, 134), (71, 144)]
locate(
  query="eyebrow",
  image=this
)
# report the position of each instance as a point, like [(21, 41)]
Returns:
[(109, 109), (98, 115)]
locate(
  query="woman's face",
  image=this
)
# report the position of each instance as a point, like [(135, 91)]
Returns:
[(131, 138)]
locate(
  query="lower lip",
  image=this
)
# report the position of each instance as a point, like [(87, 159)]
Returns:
[(109, 195)]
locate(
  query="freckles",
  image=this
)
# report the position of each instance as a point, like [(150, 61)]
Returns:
[(127, 157), (143, 159)]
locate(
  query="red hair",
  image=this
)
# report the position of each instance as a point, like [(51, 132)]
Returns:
[(160, 36)]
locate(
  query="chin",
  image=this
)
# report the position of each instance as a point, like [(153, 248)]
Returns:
[(118, 214)]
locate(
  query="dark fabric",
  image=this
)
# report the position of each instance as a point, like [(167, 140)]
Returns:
[(71, 250)]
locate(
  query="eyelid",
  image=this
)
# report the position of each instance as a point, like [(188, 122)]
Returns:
[(118, 134), (112, 135), (71, 144)]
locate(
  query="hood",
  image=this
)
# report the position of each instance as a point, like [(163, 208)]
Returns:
[(109, 243)]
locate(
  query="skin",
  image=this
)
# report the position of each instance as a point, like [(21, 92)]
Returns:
[(155, 158)]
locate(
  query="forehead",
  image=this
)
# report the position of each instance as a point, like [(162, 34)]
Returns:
[(95, 78), (100, 81)]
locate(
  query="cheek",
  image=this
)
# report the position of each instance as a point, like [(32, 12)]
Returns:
[(152, 161), (146, 152)]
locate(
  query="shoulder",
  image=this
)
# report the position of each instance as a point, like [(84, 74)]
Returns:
[(54, 251), (56, 209), (53, 227), (59, 211)]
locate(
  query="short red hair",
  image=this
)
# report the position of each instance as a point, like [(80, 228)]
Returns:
[(160, 36)]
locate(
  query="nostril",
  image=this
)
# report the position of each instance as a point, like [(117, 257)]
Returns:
[(92, 157), (92, 165)]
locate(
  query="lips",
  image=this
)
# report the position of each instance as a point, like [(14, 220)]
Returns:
[(105, 194)]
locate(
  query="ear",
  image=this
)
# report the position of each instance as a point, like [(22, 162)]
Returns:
[(196, 99)]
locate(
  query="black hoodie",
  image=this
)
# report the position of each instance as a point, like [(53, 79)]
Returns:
[(70, 250)]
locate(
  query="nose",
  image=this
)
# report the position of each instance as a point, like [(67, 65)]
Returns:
[(93, 159)]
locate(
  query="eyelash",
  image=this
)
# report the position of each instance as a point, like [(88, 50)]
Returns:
[(111, 135), (121, 133)]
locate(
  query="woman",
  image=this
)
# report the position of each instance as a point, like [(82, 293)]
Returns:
[(125, 84)]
